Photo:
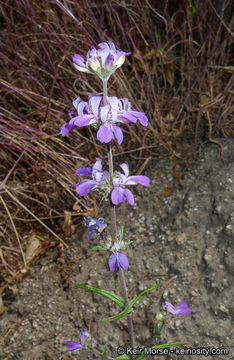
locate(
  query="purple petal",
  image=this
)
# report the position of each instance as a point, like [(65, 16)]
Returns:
[(81, 107), (73, 112), (122, 260), (138, 179), (112, 262), (79, 60), (186, 311), (91, 223), (76, 102), (169, 307), (84, 171), (117, 196), (113, 101), (82, 120), (92, 52), (112, 46), (104, 134), (182, 309), (125, 168), (103, 51), (128, 117), (104, 111), (84, 187), (118, 134), (72, 345), (109, 61), (141, 117), (126, 104), (83, 336), (66, 128), (98, 165), (120, 53), (129, 196), (95, 102)]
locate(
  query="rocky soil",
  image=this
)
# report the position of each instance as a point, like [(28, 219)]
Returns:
[(182, 228)]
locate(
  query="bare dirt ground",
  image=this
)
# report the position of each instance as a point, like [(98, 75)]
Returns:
[(182, 225)]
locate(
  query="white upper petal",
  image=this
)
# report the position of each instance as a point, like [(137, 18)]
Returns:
[(125, 169)]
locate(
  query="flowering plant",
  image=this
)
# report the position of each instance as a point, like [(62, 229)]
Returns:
[(105, 114)]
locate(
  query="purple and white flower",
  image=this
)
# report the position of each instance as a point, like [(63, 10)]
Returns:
[(117, 110), (97, 227), (180, 309), (87, 114), (120, 193), (102, 61), (85, 342), (98, 178), (117, 258)]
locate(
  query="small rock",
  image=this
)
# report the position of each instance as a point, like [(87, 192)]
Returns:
[(224, 309), (181, 239)]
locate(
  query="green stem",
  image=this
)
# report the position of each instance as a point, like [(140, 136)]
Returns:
[(114, 232)]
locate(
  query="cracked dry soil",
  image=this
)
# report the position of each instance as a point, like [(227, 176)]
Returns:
[(181, 226)]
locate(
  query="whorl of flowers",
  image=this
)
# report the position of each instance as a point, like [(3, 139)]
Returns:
[(102, 61)]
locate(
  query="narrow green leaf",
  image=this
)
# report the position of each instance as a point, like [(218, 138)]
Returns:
[(156, 331), (191, 10), (129, 309), (133, 301), (118, 300), (160, 49), (102, 351), (123, 357), (162, 346), (123, 313), (99, 247)]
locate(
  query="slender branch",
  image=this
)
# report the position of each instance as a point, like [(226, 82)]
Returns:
[(114, 231)]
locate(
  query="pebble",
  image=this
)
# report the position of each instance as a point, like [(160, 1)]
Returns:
[(224, 309), (181, 239)]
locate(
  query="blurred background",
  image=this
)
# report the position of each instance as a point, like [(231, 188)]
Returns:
[(179, 74)]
